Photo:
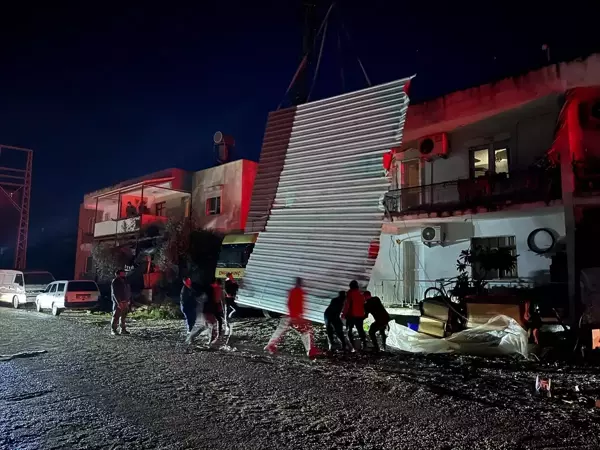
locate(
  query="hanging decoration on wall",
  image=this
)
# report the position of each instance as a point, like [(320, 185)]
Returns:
[(541, 240)]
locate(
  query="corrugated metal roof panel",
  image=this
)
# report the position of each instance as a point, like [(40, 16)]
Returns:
[(327, 209)]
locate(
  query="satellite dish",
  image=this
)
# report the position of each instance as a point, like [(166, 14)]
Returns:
[(223, 146)]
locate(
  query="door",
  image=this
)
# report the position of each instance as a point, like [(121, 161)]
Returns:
[(49, 297), (41, 298), (411, 184), (60, 294)]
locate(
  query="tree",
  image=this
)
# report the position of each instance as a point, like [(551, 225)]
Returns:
[(186, 250), (108, 258)]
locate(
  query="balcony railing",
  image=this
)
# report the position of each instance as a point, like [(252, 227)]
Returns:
[(125, 225), (491, 192)]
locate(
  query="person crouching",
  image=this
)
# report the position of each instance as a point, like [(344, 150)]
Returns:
[(333, 321), (382, 318)]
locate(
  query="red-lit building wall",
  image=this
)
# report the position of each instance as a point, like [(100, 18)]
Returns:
[(232, 184)]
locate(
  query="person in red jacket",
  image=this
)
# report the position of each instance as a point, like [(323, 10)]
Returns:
[(354, 313), (295, 320)]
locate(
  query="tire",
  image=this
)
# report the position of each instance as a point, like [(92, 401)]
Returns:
[(16, 302), (55, 310), (38, 308), (434, 292)]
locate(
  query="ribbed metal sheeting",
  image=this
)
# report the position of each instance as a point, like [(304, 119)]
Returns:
[(328, 207), (272, 156)]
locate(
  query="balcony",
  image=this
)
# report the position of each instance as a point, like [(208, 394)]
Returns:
[(126, 225), (491, 192), (129, 210)]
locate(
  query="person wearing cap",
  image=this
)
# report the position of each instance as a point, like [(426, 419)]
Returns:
[(296, 320), (374, 307), (333, 321), (120, 293), (188, 303), (354, 313)]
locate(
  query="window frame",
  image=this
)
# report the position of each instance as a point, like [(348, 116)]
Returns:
[(491, 149), (217, 211), (160, 208), (510, 243)]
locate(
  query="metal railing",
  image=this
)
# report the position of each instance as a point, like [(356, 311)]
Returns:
[(489, 191)]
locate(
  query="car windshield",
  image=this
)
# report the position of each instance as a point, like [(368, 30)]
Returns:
[(235, 255), (81, 286), (39, 278)]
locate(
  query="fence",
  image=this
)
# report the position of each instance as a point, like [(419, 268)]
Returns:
[(518, 187)]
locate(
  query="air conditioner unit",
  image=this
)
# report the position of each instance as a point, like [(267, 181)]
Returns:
[(434, 146), (432, 235)]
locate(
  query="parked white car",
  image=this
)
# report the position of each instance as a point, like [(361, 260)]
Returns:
[(65, 294), (21, 287)]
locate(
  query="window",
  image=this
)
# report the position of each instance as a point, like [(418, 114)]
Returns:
[(48, 288), (160, 209), (492, 158), (39, 278), (89, 264), (19, 279), (61, 287), (82, 286), (53, 288), (213, 206), (506, 242)]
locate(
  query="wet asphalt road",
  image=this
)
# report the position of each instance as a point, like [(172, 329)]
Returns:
[(91, 390)]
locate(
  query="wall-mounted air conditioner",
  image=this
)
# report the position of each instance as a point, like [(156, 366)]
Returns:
[(434, 146), (433, 235)]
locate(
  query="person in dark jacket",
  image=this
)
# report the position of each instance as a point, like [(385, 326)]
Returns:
[(231, 288), (188, 303), (120, 293), (333, 321), (374, 307), (354, 313), (217, 299)]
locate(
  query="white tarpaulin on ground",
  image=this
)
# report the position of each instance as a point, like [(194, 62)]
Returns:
[(501, 335)]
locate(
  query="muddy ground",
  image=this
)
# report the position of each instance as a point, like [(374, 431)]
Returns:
[(144, 391)]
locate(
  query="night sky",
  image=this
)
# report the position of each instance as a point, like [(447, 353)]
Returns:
[(103, 94)]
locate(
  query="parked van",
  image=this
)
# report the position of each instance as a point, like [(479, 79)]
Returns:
[(20, 287), (64, 294)]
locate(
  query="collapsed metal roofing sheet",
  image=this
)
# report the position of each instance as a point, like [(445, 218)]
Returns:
[(327, 210)]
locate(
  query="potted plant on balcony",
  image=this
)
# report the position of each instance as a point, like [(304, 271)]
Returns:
[(476, 263)]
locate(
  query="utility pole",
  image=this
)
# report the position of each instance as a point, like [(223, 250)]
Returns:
[(299, 94)]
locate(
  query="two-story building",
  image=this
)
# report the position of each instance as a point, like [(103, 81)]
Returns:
[(217, 198), (472, 171)]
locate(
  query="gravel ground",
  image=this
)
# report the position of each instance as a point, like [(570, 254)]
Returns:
[(92, 390)]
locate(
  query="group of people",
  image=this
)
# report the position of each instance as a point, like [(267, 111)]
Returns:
[(212, 310), (353, 306), (209, 310)]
